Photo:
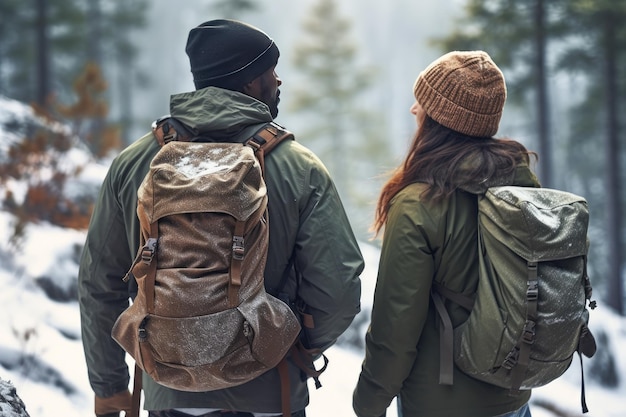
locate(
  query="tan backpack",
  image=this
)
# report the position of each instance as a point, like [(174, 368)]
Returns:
[(202, 320)]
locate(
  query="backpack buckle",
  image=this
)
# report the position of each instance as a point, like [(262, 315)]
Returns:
[(528, 334), (238, 247), (147, 252), (142, 332), (511, 359), (169, 133), (532, 293)]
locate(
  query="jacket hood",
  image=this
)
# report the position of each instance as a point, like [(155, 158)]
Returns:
[(222, 115)]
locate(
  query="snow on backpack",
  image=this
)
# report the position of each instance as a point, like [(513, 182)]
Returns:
[(202, 319), (529, 315)]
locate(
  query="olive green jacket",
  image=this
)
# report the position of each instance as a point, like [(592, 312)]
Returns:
[(306, 218), (425, 241)]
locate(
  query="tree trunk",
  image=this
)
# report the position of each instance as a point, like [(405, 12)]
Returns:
[(543, 110), (94, 51), (615, 292), (43, 54), (125, 84)]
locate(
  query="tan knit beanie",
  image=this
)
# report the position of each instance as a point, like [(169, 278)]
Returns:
[(463, 91)]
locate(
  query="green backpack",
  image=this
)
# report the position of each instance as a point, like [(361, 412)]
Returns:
[(529, 315)]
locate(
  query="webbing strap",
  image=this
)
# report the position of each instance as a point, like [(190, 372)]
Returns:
[(152, 267), (235, 264), (527, 338), (446, 332), (464, 301), (446, 357), (583, 401)]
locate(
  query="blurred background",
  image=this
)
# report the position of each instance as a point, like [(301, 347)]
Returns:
[(98, 72), (107, 68)]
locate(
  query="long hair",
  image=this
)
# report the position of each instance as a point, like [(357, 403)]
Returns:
[(439, 157)]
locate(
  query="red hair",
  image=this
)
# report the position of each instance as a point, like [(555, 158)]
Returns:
[(436, 157)]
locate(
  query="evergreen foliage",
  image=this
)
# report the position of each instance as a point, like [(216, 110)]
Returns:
[(582, 38), (347, 135), (19, 49), (43, 49), (596, 119)]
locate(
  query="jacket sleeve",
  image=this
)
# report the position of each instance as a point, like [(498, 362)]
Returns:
[(110, 246), (328, 259), (102, 293), (400, 307)]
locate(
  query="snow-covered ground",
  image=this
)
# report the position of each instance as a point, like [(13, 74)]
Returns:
[(41, 352)]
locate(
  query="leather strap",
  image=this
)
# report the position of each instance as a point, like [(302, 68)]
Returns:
[(136, 399), (266, 139), (167, 129), (236, 261), (152, 267), (285, 387)]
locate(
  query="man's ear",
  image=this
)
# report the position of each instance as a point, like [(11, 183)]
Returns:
[(251, 88)]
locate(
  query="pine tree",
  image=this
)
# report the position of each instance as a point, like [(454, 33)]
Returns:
[(494, 26), (599, 23), (40, 47), (589, 41), (347, 136), (46, 44), (118, 23)]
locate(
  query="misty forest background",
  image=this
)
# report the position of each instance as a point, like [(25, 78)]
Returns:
[(106, 68)]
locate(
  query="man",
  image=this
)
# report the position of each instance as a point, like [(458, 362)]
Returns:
[(237, 91)]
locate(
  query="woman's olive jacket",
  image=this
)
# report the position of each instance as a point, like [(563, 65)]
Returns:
[(423, 242)]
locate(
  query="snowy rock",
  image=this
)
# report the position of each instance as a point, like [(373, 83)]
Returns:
[(11, 404)]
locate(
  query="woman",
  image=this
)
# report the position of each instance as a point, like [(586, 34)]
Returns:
[(429, 213)]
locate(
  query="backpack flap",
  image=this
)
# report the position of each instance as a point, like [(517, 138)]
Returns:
[(228, 172), (539, 224)]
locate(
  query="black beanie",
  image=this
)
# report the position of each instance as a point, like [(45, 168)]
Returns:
[(229, 54)]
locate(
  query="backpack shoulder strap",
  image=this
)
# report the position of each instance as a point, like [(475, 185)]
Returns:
[(439, 294), (168, 128), (266, 139)]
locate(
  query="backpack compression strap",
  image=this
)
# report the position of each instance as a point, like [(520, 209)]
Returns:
[(262, 142), (518, 359)]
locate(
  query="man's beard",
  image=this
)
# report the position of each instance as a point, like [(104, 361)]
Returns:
[(273, 106)]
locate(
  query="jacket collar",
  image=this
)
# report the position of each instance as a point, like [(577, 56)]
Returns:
[(222, 115)]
